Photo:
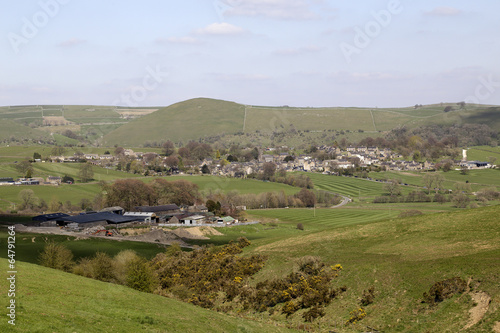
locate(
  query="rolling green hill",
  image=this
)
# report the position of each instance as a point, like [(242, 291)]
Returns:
[(203, 117), (53, 301), (183, 121)]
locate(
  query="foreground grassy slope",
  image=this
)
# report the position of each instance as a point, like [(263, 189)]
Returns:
[(187, 120), (401, 258), (53, 301)]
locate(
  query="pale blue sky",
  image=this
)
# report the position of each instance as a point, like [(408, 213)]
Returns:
[(264, 52)]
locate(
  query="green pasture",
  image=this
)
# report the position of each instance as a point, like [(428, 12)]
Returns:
[(402, 259), (484, 153), (349, 186), (48, 300), (243, 186), (9, 195), (29, 246)]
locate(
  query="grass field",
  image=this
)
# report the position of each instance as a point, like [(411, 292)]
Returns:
[(9, 195), (478, 179), (243, 186), (349, 186), (53, 301), (401, 258), (483, 153)]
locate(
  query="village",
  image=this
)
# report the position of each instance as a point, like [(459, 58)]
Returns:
[(337, 162)]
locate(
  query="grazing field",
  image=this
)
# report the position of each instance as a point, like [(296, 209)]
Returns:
[(350, 186), (484, 154), (325, 218), (243, 186), (401, 259), (49, 300), (478, 178), (29, 246), (74, 193), (9, 195)]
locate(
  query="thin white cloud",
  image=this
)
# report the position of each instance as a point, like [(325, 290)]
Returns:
[(444, 11), (359, 77), (220, 29), (280, 9), (239, 77), (178, 40), (71, 42), (298, 51)]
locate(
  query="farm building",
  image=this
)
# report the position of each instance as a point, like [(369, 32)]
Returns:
[(226, 220), (159, 210), (140, 216), (6, 180), (95, 219), (47, 220), (116, 210), (192, 220)]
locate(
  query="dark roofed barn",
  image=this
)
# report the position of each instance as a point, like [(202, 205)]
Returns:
[(95, 219)]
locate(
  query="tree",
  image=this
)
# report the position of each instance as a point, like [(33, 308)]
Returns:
[(464, 170), (86, 172), (231, 158), (205, 169), (55, 205), (172, 162), (461, 200), (268, 170), (24, 167), (448, 108), (307, 197), (393, 187), (28, 199), (119, 152), (67, 179), (289, 158), (168, 148), (129, 193), (56, 256), (37, 156)]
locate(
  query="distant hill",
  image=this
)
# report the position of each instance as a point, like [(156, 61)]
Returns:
[(182, 121), (10, 129), (204, 117)]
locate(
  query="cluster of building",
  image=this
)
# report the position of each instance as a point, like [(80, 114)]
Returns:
[(50, 180), (162, 215)]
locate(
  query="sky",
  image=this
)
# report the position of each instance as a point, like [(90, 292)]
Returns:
[(367, 53)]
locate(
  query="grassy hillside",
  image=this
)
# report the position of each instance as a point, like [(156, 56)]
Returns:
[(183, 121), (202, 117), (10, 129), (401, 258), (53, 301)]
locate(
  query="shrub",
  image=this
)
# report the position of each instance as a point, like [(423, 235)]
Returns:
[(313, 313), (57, 256), (140, 276), (444, 289), (289, 308), (300, 226), (461, 200), (356, 315), (120, 265), (368, 296)]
